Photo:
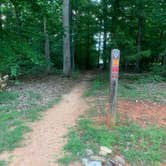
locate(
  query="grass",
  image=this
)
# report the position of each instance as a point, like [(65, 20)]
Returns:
[(12, 129), (2, 163), (13, 119), (21, 105), (138, 145), (67, 159), (131, 87), (6, 97)]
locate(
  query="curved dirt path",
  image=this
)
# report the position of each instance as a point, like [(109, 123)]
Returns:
[(44, 144)]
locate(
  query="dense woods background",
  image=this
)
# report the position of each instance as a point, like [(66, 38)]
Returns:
[(32, 34)]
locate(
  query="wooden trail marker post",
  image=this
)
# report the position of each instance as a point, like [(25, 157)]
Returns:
[(114, 75)]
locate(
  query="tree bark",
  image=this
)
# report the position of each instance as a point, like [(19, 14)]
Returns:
[(46, 45), (0, 18), (139, 43), (99, 51), (105, 35), (1, 22), (160, 44), (164, 58), (66, 39), (74, 38), (104, 49), (17, 14), (88, 47), (115, 23)]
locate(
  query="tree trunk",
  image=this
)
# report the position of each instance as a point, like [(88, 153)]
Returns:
[(46, 45), (99, 51), (115, 23), (0, 18), (18, 15), (164, 61), (66, 39), (104, 49), (105, 35), (1, 22), (160, 44), (164, 58), (139, 43), (74, 38), (88, 47), (73, 56)]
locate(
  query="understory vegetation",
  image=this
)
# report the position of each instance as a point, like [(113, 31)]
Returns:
[(139, 145), (32, 34), (145, 86), (23, 103), (41, 38)]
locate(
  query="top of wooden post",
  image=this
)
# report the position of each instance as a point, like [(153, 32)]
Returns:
[(115, 53)]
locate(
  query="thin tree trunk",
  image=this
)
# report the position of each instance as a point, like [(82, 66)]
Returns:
[(99, 51), (115, 23), (66, 39), (88, 47), (74, 39), (139, 42), (105, 35), (73, 56), (46, 45), (160, 43), (17, 14), (161, 36), (164, 61), (1, 28), (0, 18), (104, 48), (164, 58)]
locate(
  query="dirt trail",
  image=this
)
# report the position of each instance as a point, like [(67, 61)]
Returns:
[(45, 142)]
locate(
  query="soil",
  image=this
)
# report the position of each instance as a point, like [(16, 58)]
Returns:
[(43, 146), (52, 86), (143, 113)]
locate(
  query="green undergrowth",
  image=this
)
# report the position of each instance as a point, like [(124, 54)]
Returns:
[(23, 103), (139, 146), (16, 109), (3, 163), (131, 86), (11, 130)]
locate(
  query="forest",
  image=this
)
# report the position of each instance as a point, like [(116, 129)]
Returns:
[(32, 35), (66, 98)]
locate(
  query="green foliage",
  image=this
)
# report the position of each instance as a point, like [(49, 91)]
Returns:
[(24, 103), (159, 70), (99, 85), (12, 126), (75, 145), (6, 97), (141, 54), (138, 145), (11, 130), (3, 163), (22, 34), (67, 159), (16, 55)]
